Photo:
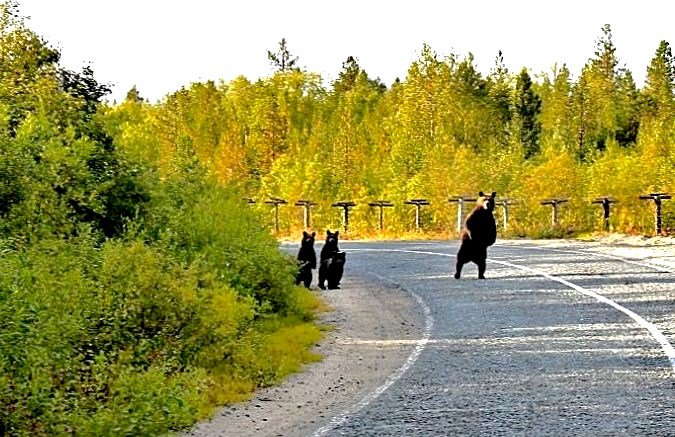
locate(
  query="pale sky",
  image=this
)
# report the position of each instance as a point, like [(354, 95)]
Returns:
[(161, 45)]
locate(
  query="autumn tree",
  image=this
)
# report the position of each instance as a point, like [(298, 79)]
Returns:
[(557, 132), (658, 104), (606, 99), (477, 119), (418, 115), (353, 103)]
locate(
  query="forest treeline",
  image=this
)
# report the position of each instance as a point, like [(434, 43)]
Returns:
[(445, 130), (129, 303)]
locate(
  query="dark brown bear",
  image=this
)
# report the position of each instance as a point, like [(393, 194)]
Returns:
[(306, 259), (328, 252), (480, 232)]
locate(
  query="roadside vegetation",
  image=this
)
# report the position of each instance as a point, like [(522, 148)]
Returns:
[(133, 300)]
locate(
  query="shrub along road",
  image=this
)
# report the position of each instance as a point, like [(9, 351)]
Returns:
[(563, 338)]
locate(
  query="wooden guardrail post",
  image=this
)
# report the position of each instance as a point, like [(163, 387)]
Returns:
[(605, 201), (275, 201), (306, 204), (460, 200), (657, 198), (554, 213), (505, 204), (345, 208), (381, 204), (418, 204)]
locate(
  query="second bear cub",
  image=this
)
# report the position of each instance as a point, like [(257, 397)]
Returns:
[(332, 261)]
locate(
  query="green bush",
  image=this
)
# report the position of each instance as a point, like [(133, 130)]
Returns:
[(139, 337)]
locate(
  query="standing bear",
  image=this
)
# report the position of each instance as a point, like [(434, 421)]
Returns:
[(306, 259), (335, 267), (480, 232), (332, 261)]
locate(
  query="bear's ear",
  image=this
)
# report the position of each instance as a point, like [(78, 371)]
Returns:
[(480, 193), (305, 234), (336, 233), (313, 234), (494, 194), (328, 232)]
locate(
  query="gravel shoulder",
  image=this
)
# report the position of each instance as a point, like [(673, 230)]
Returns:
[(363, 309)]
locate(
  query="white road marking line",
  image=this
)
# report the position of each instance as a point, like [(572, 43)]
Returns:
[(419, 347), (653, 330), (654, 266), (519, 341), (453, 342), (575, 327), (661, 339), (658, 267)]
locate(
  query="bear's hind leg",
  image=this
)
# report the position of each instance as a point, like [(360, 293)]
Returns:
[(463, 257), (481, 269), (480, 261), (458, 267)]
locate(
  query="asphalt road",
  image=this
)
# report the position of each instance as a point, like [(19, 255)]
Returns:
[(556, 341)]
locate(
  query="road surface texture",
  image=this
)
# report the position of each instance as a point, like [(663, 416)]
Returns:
[(562, 338)]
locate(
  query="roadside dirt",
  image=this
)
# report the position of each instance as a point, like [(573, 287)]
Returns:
[(362, 309)]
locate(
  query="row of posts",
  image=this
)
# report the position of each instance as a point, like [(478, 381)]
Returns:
[(605, 201)]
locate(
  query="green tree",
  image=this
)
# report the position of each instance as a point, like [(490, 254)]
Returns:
[(627, 109), (584, 121), (282, 60), (526, 110), (658, 90), (605, 61), (133, 95), (499, 89), (70, 170), (84, 87), (610, 97)]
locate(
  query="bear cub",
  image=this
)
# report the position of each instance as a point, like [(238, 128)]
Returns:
[(332, 261), (479, 233), (334, 269), (306, 259)]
